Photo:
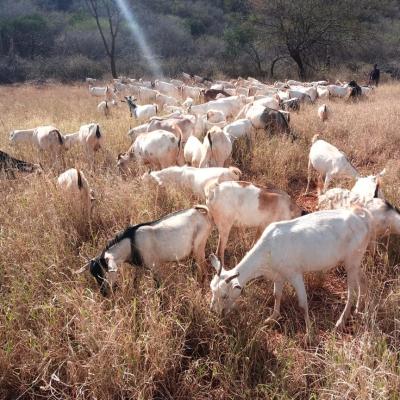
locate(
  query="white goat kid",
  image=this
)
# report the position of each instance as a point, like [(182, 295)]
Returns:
[(172, 238), (194, 179), (242, 204), (104, 107), (286, 250), (329, 162)]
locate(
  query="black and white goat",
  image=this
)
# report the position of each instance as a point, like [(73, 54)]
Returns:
[(150, 244)]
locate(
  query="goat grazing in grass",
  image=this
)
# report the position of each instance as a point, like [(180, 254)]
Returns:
[(171, 238), (329, 162), (286, 250)]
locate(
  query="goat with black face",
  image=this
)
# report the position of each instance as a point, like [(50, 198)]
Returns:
[(171, 238)]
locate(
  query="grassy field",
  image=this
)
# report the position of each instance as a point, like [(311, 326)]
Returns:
[(60, 339)]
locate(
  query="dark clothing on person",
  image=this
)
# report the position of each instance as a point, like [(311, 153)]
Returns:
[(374, 76)]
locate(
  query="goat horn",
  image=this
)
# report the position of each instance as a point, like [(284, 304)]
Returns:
[(229, 278), (213, 257), (81, 270)]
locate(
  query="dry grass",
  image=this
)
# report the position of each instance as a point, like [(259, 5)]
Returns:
[(60, 339)]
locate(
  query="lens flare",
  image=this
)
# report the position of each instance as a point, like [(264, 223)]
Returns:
[(140, 38)]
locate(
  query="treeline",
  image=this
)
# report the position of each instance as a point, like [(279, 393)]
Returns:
[(71, 39)]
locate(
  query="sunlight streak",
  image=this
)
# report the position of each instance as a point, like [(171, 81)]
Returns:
[(140, 39)]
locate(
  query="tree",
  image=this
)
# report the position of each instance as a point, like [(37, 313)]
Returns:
[(242, 37), (109, 9), (27, 36), (308, 30)]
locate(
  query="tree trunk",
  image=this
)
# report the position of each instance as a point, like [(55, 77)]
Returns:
[(112, 57), (271, 71), (297, 59), (113, 66), (328, 57)]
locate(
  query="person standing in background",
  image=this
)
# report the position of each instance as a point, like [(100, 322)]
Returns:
[(374, 75)]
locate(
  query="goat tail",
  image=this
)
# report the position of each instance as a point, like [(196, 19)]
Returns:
[(80, 183), (236, 171), (315, 138), (98, 133), (180, 140), (59, 136)]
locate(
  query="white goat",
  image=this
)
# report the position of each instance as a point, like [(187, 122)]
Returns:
[(238, 129), (329, 162), (386, 218), (188, 103), (74, 183), (159, 149), (133, 133), (368, 187), (338, 91), (141, 113), (323, 112), (323, 92), (215, 116), (194, 179), (88, 136), (97, 91), (286, 250), (147, 95), (192, 151), (164, 100), (105, 92), (104, 107), (364, 190), (45, 137), (216, 148), (172, 238), (242, 204)]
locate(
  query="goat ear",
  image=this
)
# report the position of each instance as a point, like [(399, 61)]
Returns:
[(230, 278), (215, 263)]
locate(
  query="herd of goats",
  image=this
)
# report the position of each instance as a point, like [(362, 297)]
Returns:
[(290, 240)]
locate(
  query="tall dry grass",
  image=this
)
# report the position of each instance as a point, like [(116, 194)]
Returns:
[(60, 339)]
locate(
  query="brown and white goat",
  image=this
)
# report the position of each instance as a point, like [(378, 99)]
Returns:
[(246, 205)]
